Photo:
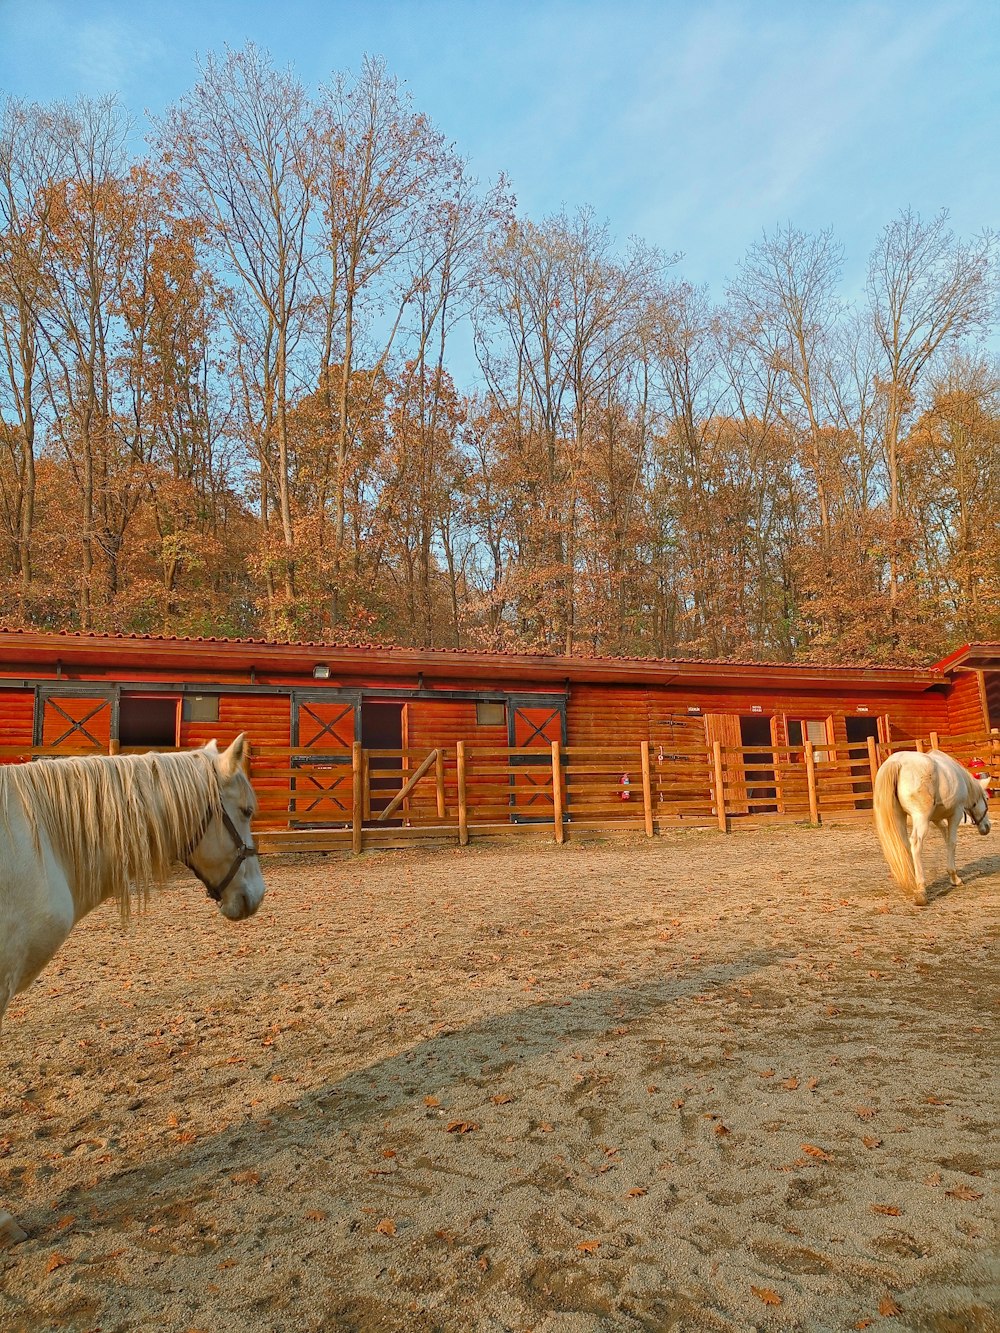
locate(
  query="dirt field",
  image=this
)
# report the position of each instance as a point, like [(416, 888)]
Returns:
[(702, 1083)]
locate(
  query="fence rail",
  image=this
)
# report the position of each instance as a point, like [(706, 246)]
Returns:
[(364, 798)]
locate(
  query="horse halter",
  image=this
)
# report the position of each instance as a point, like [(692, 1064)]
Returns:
[(243, 853)]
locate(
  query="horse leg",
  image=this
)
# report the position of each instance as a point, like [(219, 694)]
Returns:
[(951, 842), (918, 831)]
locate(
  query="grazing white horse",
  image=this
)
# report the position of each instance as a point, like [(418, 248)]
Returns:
[(930, 788), (74, 832)]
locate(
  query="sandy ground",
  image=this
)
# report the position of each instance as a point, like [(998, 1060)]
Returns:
[(701, 1083)]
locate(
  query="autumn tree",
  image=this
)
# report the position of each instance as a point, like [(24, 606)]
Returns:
[(241, 147)]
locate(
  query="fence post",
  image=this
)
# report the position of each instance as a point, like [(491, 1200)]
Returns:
[(934, 741), (366, 800), (873, 760), (647, 788), (114, 746), (557, 800), (720, 785), (811, 780), (357, 796), (439, 782), (995, 747), (919, 745), (463, 809)]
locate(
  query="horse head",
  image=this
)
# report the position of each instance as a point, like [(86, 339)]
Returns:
[(978, 808), (224, 856)]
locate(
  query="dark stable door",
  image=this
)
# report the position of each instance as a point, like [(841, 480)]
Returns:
[(382, 729)]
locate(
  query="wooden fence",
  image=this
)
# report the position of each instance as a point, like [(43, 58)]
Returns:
[(361, 799)]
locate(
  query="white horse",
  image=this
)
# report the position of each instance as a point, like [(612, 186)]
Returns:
[(930, 788), (74, 832)]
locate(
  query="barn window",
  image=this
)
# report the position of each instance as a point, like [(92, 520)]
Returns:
[(201, 708), (145, 720), (490, 714), (811, 729)]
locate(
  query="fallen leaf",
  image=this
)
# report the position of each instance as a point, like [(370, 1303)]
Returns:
[(791, 1083), (589, 1246), (722, 1130), (864, 1112), (388, 1152), (766, 1073), (502, 1098), (887, 1307), (56, 1261), (431, 1101), (461, 1126), (813, 1151), (766, 1295), (933, 1179), (813, 1084), (887, 1209), (963, 1192), (545, 1127), (386, 1226), (870, 1141), (864, 1323), (245, 1178), (678, 1103), (636, 1192), (937, 1101), (316, 1215)]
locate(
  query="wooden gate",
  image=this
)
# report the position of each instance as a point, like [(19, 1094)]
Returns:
[(534, 721), (325, 727), (75, 721)]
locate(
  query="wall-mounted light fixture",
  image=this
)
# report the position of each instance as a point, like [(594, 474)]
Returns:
[(693, 708), (321, 671)]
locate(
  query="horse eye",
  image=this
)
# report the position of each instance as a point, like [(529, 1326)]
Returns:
[(246, 813)]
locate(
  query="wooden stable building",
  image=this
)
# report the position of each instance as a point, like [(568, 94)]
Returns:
[(310, 709)]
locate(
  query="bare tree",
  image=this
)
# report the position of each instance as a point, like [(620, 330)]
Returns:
[(242, 148), (925, 289)]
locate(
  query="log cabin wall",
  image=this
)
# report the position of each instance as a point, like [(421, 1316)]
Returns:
[(966, 712), (603, 714), (17, 717)]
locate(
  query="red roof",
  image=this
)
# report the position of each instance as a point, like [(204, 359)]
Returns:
[(21, 648)]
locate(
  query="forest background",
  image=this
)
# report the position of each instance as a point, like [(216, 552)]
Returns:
[(227, 403)]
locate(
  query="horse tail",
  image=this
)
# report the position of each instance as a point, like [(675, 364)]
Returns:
[(890, 823)]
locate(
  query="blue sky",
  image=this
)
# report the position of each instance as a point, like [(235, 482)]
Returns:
[(694, 125)]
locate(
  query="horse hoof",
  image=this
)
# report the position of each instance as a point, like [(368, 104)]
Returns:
[(956, 881), (10, 1232), (920, 898)]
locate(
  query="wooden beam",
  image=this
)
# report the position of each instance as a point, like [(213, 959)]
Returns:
[(463, 808), (720, 785), (557, 801), (439, 783), (873, 760), (811, 780), (407, 787), (357, 796), (647, 788)]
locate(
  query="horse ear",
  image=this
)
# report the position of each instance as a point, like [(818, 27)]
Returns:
[(212, 748), (233, 760)]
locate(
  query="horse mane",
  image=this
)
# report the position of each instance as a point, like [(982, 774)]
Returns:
[(117, 822)]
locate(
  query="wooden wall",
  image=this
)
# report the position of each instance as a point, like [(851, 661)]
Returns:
[(428, 723), (965, 705), (17, 717), (266, 718), (603, 714)]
